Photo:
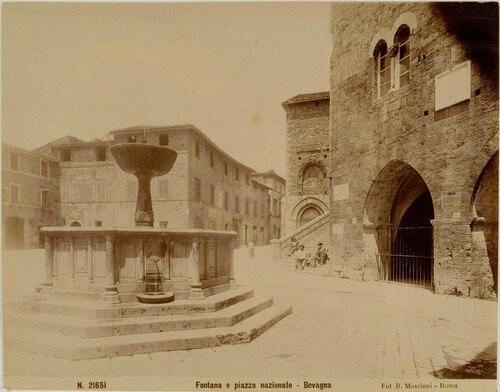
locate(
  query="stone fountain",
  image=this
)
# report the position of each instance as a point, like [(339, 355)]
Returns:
[(105, 287), (146, 161)]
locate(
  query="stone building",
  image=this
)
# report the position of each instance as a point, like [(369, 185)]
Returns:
[(414, 128), (206, 188), (276, 185), (307, 202), (30, 196)]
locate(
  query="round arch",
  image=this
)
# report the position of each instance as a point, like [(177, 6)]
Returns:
[(301, 205), (308, 213)]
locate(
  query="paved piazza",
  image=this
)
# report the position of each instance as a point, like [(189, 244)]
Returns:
[(339, 329)]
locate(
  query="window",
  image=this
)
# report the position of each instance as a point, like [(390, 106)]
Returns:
[(211, 159), (254, 208), (163, 140), (402, 59), (263, 210), (66, 155), (226, 201), (14, 194), (100, 154), (65, 191), (212, 195), (197, 189), (383, 69), (131, 189), (98, 223), (44, 196), (44, 168), (247, 179), (14, 161), (131, 139), (247, 207), (5, 195), (237, 174), (275, 207), (237, 204), (163, 188), (255, 234), (225, 168), (100, 190), (393, 64), (197, 149)]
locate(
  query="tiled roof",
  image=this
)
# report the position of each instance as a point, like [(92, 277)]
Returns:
[(308, 97)]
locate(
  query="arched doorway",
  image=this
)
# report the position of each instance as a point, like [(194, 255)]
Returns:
[(308, 214), (399, 208), (14, 233), (485, 227)]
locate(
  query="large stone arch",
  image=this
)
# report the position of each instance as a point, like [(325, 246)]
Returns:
[(484, 227), (397, 213), (398, 157), (477, 167)]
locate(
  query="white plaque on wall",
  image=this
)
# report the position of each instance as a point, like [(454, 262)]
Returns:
[(453, 86), (341, 192)]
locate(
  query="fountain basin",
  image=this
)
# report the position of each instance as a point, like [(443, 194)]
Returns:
[(144, 159)]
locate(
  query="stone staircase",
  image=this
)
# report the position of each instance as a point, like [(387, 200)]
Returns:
[(317, 230), (289, 264), (78, 330)]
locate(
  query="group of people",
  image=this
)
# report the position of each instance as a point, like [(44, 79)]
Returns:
[(304, 259)]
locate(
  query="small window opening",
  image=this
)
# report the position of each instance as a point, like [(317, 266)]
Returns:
[(131, 139)]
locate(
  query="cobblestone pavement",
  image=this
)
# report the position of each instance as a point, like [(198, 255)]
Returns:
[(339, 329)]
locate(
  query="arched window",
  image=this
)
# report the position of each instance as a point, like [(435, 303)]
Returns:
[(383, 69), (313, 180), (402, 58)]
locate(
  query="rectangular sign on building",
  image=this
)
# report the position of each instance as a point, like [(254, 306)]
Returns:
[(453, 86)]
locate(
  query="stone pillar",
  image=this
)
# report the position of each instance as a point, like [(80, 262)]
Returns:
[(49, 260), (452, 256), (110, 290), (230, 252), (196, 291), (90, 259), (72, 257), (142, 271)]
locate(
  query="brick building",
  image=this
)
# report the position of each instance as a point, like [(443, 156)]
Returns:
[(30, 196), (414, 109), (276, 185), (206, 188), (308, 159)]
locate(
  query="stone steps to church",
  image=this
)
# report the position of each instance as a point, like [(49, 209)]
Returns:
[(77, 348), (102, 311), (289, 263), (88, 328)]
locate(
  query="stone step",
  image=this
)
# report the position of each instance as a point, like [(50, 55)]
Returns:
[(75, 348), (96, 310), (87, 328)]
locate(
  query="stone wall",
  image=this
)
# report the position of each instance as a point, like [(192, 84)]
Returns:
[(308, 156), (379, 142)]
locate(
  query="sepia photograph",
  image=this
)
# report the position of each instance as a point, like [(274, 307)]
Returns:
[(203, 196)]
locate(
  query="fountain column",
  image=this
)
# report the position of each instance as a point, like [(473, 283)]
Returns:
[(110, 289), (196, 291), (144, 215)]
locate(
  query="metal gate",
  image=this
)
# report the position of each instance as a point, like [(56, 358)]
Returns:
[(406, 255)]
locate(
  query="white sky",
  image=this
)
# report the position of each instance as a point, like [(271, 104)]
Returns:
[(86, 69)]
